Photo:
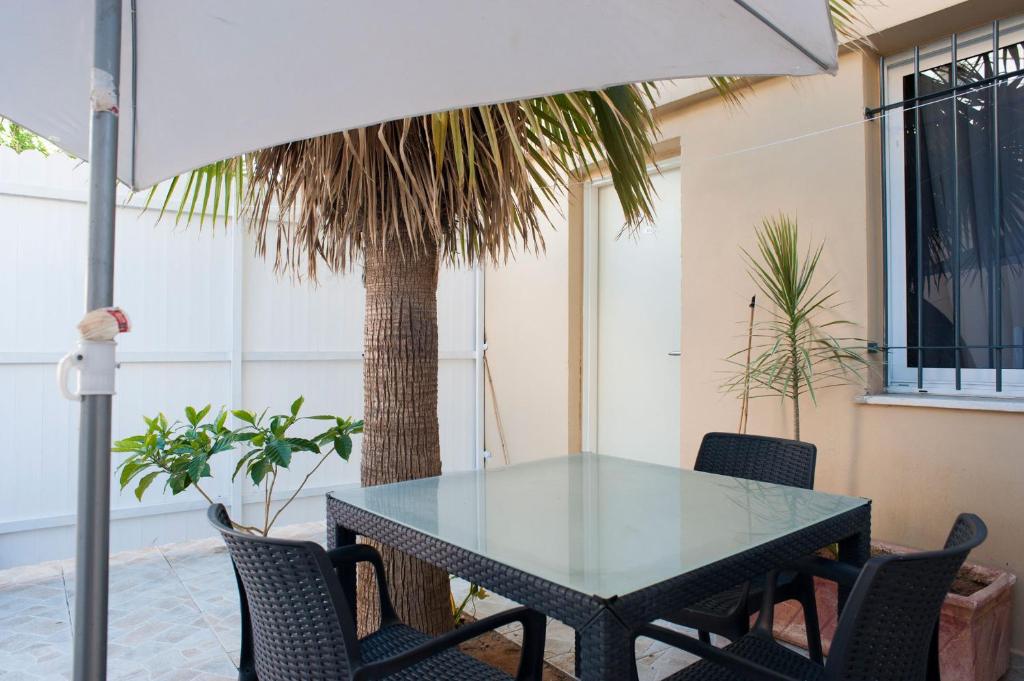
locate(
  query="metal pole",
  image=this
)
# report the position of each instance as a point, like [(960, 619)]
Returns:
[(957, 325), (919, 188), (997, 217), (93, 544), (883, 138)]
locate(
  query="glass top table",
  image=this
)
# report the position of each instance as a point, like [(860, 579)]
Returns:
[(577, 535)]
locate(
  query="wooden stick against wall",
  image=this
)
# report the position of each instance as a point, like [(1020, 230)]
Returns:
[(745, 403), (497, 412)]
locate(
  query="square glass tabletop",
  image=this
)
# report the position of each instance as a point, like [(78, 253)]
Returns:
[(599, 525)]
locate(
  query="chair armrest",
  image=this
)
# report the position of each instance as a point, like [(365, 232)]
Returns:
[(843, 574), (837, 571), (531, 662), (348, 556), (743, 667)]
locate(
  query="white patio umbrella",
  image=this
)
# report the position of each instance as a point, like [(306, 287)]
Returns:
[(176, 85)]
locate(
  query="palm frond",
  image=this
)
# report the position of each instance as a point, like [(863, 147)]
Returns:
[(849, 22), (215, 189)]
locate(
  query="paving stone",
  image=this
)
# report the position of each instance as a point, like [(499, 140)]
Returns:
[(565, 662), (663, 664), (174, 617), (560, 639)]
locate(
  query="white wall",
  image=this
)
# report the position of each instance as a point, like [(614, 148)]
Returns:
[(211, 324)]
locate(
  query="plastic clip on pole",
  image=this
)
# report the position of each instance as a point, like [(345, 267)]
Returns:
[(95, 362)]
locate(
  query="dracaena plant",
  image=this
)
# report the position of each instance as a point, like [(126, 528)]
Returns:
[(795, 348), (181, 452)]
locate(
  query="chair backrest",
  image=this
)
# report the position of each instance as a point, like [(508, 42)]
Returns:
[(756, 457), (302, 626), (886, 630)]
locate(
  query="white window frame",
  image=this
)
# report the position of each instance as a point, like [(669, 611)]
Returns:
[(902, 378)]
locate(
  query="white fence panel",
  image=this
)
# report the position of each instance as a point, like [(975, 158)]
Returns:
[(211, 324)]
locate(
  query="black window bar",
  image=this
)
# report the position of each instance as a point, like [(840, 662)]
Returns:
[(996, 346)]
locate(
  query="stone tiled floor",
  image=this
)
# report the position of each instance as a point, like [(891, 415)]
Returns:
[(174, 617)]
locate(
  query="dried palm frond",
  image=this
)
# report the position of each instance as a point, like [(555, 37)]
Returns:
[(849, 22), (473, 182)]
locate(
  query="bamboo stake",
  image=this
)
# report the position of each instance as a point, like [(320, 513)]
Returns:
[(745, 403), (497, 412)]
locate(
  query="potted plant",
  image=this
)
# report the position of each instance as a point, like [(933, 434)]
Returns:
[(974, 630)]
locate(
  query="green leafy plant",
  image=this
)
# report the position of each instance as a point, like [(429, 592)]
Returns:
[(181, 452), (271, 449), (19, 139), (794, 349), (475, 593)]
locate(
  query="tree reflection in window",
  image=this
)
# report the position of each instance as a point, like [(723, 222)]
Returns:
[(991, 257)]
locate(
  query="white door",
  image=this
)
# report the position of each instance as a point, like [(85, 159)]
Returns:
[(634, 299)]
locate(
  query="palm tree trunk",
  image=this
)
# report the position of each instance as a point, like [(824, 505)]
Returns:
[(400, 437)]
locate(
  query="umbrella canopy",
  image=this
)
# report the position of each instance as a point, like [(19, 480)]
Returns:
[(204, 80)]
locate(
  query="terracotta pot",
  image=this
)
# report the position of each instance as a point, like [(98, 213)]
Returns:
[(974, 634)]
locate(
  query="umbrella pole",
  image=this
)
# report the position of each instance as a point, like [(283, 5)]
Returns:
[(93, 541)]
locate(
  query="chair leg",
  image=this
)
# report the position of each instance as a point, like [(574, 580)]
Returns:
[(531, 656), (933, 673), (741, 626), (246, 655), (704, 636), (812, 626)]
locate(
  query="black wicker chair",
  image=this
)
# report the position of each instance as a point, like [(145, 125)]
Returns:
[(765, 459), (298, 624), (888, 630)]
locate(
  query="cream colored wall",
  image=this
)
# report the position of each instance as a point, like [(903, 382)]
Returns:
[(527, 325), (738, 166), (884, 15)]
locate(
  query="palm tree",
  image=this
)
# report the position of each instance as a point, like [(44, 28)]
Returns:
[(405, 197)]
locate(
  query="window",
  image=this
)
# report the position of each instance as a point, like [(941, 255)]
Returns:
[(954, 165)]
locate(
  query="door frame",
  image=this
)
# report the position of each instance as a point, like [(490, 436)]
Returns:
[(590, 341)]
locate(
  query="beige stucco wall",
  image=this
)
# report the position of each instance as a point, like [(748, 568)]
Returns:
[(920, 466), (740, 165), (526, 321)]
